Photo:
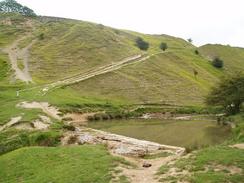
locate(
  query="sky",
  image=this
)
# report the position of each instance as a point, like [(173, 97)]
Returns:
[(204, 21)]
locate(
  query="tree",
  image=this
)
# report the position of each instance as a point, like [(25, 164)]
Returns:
[(143, 45), (196, 52), (195, 73), (163, 46), (189, 40), (229, 93), (11, 6), (217, 62)]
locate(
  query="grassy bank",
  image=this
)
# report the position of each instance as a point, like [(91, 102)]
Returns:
[(220, 163), (57, 164)]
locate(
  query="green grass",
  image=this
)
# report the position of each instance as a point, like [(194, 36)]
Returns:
[(81, 45), (57, 164), (164, 78), (4, 68), (202, 164), (12, 139), (11, 26), (233, 57)]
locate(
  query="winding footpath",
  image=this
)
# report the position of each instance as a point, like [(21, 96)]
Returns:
[(19, 57)]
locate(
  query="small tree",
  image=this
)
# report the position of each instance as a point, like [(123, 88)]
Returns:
[(163, 46), (143, 45), (229, 93), (196, 52), (189, 40), (195, 73), (217, 62)]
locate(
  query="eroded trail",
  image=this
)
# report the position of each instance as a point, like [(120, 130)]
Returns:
[(95, 72), (19, 59), (98, 71), (145, 174)]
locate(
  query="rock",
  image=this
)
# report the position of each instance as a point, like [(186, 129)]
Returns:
[(146, 165), (128, 150), (86, 139)]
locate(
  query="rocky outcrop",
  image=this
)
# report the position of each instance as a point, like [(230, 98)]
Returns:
[(119, 144)]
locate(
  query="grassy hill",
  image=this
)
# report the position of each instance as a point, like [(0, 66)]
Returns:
[(233, 57), (63, 48), (72, 164)]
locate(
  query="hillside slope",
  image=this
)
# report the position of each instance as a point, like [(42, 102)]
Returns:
[(233, 57), (60, 48)]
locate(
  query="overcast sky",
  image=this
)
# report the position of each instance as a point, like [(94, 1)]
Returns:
[(205, 21)]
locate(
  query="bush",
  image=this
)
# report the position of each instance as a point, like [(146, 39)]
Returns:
[(196, 52), (69, 127), (143, 45), (218, 63), (45, 139), (229, 94), (41, 36), (9, 143), (163, 46)]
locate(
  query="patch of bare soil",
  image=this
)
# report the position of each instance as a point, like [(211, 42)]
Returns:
[(44, 106), (19, 57), (230, 169), (12, 122), (238, 146), (145, 174)]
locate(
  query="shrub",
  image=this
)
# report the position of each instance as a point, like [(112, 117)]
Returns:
[(45, 139), (229, 94), (189, 40), (41, 36), (69, 127), (163, 46), (196, 52), (143, 45), (217, 62)]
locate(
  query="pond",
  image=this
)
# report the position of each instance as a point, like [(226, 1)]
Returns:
[(185, 133)]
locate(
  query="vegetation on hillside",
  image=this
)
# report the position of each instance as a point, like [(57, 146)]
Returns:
[(11, 6), (229, 93), (217, 62), (233, 57), (143, 45), (163, 46)]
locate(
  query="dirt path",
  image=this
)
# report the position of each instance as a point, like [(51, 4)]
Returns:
[(44, 106), (12, 122), (93, 73), (238, 146), (99, 71), (20, 58), (44, 89), (142, 174)]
